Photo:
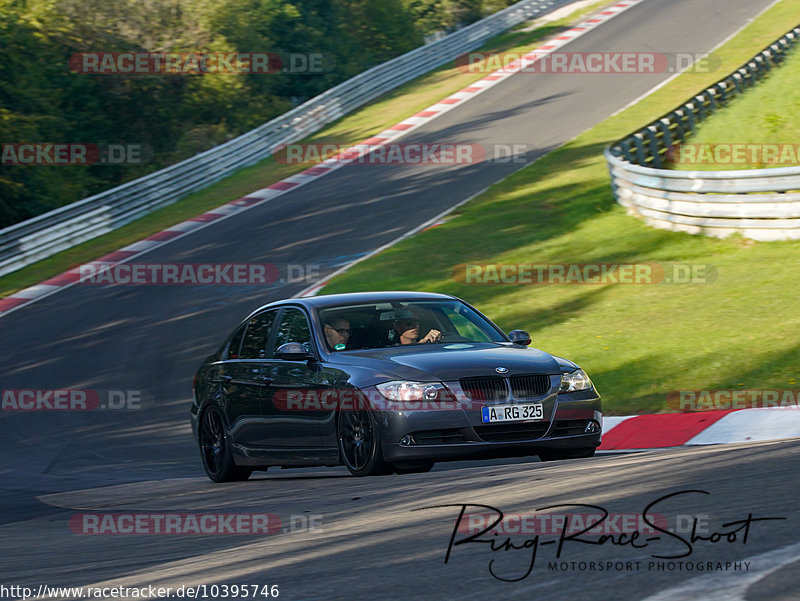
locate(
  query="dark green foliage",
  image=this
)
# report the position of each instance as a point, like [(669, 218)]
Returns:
[(175, 116)]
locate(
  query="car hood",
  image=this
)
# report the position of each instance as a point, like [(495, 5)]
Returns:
[(452, 361)]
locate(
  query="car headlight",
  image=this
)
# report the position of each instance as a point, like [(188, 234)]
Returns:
[(577, 380), (411, 391)]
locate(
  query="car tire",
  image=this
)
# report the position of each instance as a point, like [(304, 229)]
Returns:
[(417, 467), (360, 443), (558, 454), (216, 450)]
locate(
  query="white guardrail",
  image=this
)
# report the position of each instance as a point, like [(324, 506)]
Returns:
[(761, 204), (35, 239)]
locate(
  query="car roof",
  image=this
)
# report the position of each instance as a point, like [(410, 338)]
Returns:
[(332, 300)]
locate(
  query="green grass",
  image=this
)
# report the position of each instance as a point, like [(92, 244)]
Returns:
[(765, 114), (377, 116), (636, 342)]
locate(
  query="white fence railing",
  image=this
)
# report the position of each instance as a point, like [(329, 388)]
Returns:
[(35, 239), (762, 204)]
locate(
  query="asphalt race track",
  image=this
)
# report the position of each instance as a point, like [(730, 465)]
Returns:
[(368, 542), (371, 543)]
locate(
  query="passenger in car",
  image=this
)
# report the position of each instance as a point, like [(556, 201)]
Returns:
[(337, 333)]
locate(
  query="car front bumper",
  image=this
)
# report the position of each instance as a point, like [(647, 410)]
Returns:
[(460, 434)]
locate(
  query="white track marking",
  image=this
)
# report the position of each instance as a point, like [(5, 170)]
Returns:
[(730, 586)]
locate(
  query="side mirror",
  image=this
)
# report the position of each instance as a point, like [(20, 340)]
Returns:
[(293, 351), (519, 337)]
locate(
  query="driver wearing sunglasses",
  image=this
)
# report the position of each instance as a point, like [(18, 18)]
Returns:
[(407, 331)]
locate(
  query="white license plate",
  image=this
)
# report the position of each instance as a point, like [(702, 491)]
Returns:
[(511, 413)]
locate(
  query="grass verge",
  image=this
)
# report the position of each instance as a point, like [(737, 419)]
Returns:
[(766, 114), (377, 116), (637, 342)]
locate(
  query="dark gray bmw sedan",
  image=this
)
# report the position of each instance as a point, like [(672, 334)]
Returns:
[(384, 382)]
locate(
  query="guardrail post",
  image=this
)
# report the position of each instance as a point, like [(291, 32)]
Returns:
[(650, 134)]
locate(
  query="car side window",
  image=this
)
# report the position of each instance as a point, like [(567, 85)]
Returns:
[(293, 328), (256, 335), (235, 343)]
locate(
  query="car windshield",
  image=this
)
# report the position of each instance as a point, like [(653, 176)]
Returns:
[(398, 323)]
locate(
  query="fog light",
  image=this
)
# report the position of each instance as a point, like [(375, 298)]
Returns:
[(406, 441), (592, 427)]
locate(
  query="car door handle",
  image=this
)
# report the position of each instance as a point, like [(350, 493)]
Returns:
[(264, 380)]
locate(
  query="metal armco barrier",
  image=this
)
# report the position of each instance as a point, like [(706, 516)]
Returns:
[(761, 204), (35, 239)]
